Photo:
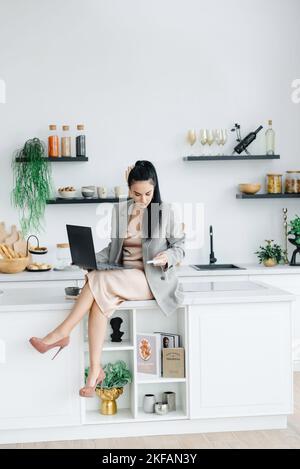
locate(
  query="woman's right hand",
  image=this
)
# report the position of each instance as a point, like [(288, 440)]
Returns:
[(129, 168)]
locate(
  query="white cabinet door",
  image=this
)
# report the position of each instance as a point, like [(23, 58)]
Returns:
[(36, 391), (240, 360), (291, 284)]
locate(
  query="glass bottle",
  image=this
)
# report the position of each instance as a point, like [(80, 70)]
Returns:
[(53, 142), (80, 141), (66, 141), (270, 139)]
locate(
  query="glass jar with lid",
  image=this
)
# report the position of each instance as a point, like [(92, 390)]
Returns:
[(274, 183), (298, 182), (291, 184), (63, 256)]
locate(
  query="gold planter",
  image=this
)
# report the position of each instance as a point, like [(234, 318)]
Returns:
[(270, 262), (108, 399)]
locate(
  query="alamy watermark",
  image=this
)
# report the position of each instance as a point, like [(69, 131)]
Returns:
[(176, 218), (295, 96)]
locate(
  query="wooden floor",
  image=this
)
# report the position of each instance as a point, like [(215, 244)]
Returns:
[(288, 438)]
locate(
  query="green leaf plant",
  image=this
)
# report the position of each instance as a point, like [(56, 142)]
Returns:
[(270, 251), (295, 228), (117, 375)]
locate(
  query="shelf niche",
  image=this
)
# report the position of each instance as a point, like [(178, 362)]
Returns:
[(59, 159), (268, 196), (82, 200), (231, 158)]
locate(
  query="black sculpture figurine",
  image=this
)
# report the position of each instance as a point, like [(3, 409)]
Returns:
[(117, 334), (294, 255)]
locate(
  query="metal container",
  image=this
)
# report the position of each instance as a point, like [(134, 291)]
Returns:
[(169, 397), (161, 408), (148, 403)]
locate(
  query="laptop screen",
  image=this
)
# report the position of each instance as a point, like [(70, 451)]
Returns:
[(82, 246)]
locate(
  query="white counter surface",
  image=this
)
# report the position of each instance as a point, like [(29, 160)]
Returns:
[(49, 298), (42, 276), (246, 269), (183, 271)]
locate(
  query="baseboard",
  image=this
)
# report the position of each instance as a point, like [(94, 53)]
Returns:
[(84, 432)]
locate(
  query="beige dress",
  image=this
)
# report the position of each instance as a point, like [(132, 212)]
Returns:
[(110, 288)]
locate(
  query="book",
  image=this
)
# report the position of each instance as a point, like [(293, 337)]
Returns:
[(169, 340), (148, 354), (173, 362)]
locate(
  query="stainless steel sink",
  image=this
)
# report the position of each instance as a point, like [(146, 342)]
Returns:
[(216, 266)]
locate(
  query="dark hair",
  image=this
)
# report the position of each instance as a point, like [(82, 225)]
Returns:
[(144, 170)]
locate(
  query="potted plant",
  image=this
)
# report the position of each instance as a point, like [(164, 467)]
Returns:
[(295, 230), (271, 254), (32, 184), (117, 375)]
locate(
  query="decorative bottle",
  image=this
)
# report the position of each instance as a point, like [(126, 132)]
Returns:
[(80, 141), (66, 141), (53, 142), (270, 139)]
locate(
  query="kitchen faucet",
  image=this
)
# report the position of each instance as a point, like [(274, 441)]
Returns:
[(212, 259)]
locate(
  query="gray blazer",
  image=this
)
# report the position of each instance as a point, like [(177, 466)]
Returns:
[(163, 281)]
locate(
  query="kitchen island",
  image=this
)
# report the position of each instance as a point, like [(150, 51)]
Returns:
[(285, 277), (237, 337)]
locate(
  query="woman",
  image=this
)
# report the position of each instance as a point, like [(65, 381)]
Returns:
[(150, 233)]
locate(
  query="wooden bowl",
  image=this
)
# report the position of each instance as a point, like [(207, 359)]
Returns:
[(249, 188), (13, 266)]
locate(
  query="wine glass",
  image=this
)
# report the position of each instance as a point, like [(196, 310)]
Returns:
[(210, 137), (224, 137), (191, 137), (218, 137), (203, 138)]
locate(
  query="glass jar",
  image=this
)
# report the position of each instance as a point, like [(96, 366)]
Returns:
[(274, 183), (291, 182), (66, 141), (63, 256), (298, 182), (53, 142)]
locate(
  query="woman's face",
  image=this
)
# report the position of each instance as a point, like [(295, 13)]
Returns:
[(141, 192)]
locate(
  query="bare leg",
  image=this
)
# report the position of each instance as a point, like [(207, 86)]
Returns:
[(96, 331), (80, 308)]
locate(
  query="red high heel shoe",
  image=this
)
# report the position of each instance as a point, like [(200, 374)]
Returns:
[(42, 347), (89, 391)]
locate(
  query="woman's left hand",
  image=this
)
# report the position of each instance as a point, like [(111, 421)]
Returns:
[(161, 259)]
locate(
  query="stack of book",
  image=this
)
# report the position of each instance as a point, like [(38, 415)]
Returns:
[(160, 354)]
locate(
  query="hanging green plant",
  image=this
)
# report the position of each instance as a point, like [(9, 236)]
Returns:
[(32, 184)]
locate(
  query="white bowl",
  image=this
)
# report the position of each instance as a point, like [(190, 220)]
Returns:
[(87, 192), (67, 194)]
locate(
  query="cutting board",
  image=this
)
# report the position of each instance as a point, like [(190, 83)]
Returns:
[(3, 232)]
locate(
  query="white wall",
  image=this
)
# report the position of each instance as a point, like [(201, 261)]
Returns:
[(140, 73)]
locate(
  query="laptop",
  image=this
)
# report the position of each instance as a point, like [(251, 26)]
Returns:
[(83, 251)]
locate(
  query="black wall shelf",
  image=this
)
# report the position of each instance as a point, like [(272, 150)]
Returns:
[(267, 196), (231, 158), (60, 159), (82, 200)]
